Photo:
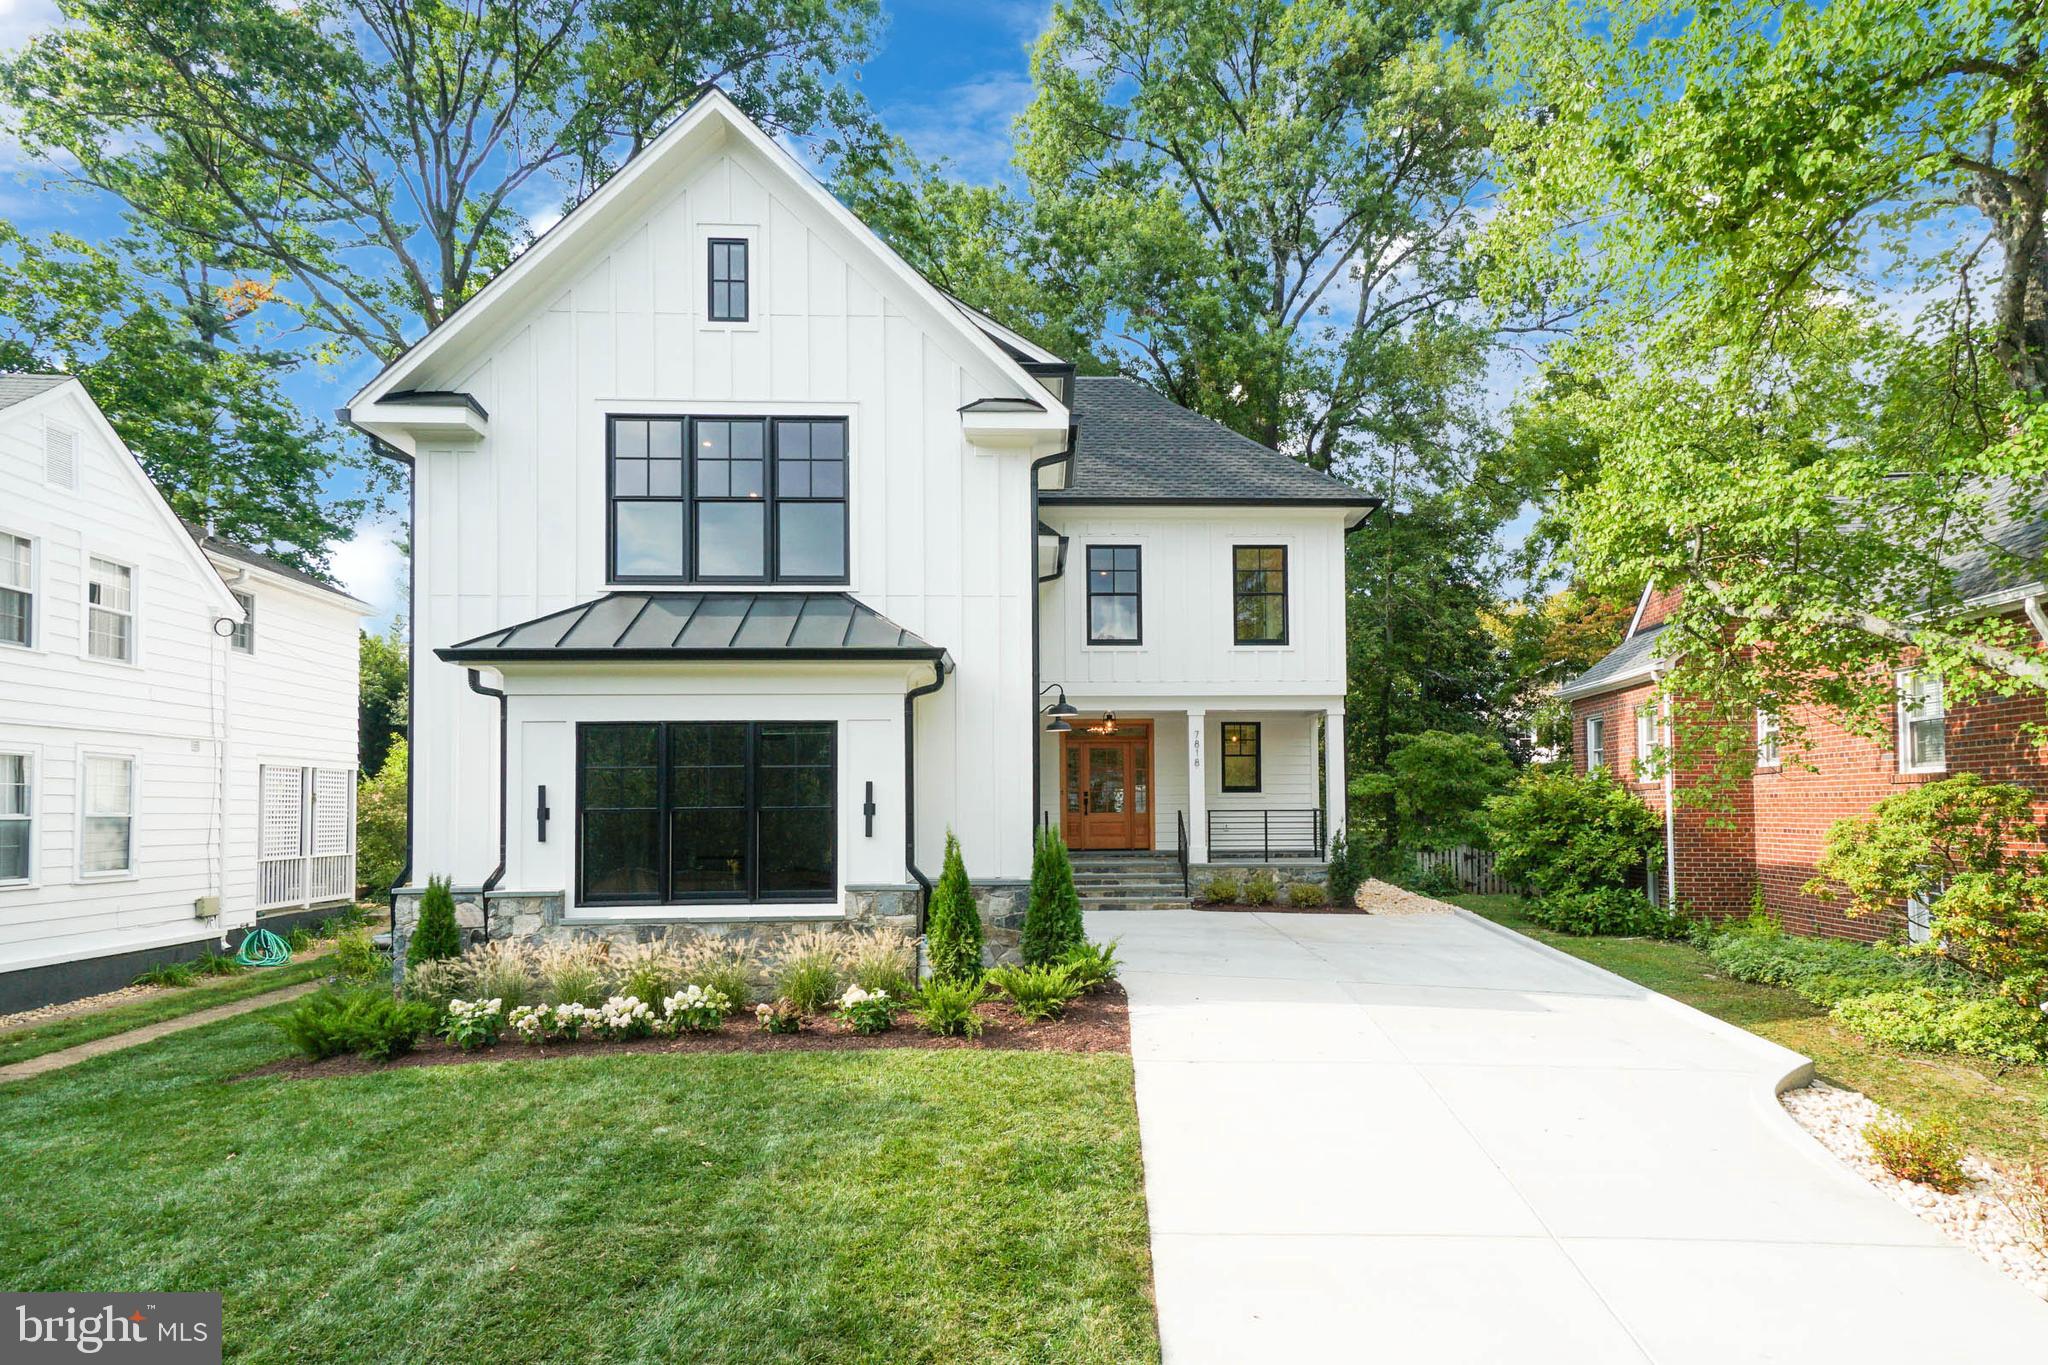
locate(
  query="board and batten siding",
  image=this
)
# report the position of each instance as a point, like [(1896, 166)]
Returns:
[(1188, 646), (61, 704), (514, 525)]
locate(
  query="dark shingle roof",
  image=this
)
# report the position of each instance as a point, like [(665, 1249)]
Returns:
[(1134, 444), (2015, 524), (1624, 663), (701, 625), (19, 388), (227, 549)]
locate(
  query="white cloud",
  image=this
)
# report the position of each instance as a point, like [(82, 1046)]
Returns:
[(967, 124), (21, 20), (373, 568)]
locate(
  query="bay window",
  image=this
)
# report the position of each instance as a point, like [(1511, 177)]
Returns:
[(728, 499), (676, 812)]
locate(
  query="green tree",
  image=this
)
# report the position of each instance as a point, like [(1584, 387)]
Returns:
[(381, 813), (381, 700), (953, 922), (1805, 248), (378, 154), (1563, 833), (165, 344), (1440, 783), (1052, 921), (435, 935)]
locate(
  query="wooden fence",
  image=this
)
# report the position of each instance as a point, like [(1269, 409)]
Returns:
[(1471, 868)]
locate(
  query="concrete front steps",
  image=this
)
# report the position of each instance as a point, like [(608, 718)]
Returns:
[(1129, 881)]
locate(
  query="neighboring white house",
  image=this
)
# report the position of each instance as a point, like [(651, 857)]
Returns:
[(177, 716), (747, 564)]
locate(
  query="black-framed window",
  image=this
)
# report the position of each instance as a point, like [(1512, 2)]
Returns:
[(671, 812), (1116, 614), (1241, 767), (726, 299), (728, 499), (1258, 586)]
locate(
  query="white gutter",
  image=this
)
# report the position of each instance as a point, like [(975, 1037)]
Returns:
[(2032, 604), (1670, 803)]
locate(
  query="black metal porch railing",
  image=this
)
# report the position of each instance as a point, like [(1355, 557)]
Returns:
[(1180, 826), (1265, 834)]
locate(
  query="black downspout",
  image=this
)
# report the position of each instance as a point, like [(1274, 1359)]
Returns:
[(497, 873), (924, 883), (378, 446), (1038, 683)]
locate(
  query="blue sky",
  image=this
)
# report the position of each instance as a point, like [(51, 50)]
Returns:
[(948, 77)]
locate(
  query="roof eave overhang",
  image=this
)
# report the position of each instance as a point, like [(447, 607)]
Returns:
[(1643, 673), (495, 657), (1039, 432), (409, 426), (1362, 505)]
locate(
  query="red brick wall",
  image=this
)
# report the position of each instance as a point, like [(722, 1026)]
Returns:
[(1772, 832)]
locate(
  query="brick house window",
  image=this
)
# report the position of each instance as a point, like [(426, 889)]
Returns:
[(1596, 742), (1649, 752), (1766, 739), (1923, 724)]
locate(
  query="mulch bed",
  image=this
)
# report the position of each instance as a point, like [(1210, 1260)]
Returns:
[(1097, 1022)]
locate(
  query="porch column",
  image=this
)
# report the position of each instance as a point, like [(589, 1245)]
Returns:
[(1198, 790), (1333, 773)]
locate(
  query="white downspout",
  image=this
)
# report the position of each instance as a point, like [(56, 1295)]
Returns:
[(1670, 804), (2036, 615)]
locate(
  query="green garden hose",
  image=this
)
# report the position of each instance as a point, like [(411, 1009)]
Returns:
[(261, 948)]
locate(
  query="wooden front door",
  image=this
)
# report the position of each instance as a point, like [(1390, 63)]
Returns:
[(1108, 787)]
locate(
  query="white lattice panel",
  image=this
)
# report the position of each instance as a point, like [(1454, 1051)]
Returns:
[(284, 795)]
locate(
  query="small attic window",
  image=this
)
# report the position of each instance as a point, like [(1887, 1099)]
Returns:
[(728, 283), (60, 457)]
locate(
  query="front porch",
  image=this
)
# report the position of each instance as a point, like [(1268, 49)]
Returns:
[(1252, 782)]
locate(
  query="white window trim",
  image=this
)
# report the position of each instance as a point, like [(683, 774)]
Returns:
[(36, 604), (1769, 736), (248, 622), (1649, 762), (34, 755), (1596, 755), (1903, 733), (757, 271), (85, 611), (133, 870)]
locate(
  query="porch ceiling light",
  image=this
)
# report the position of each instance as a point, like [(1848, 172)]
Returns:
[(1058, 726), (1060, 707), (1107, 727)]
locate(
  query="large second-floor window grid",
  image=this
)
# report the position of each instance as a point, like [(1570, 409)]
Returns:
[(810, 500), (1115, 616), (1258, 584), (728, 279), (17, 816), (17, 593), (110, 611), (728, 500), (726, 811)]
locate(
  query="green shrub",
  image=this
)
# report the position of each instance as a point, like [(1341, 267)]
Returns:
[(357, 958), (473, 1024), (1924, 1019), (360, 1020), (719, 964), (953, 923), (1605, 910), (1347, 871), (434, 983), (217, 964), (808, 982), (504, 972), (572, 974), (866, 1012), (298, 938), (1561, 832), (880, 962), (947, 1007), (779, 1016), (1052, 921), (1039, 993), (1261, 888), (1428, 879), (1306, 894), (1222, 889), (1969, 850), (435, 935), (694, 1009), (1821, 970), (380, 824), (1092, 964), (168, 974), (1931, 1153)]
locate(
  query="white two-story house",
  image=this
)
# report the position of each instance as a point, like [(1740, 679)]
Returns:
[(748, 564), (177, 717)]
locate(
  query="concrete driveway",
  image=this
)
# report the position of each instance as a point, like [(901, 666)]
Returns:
[(1428, 1139)]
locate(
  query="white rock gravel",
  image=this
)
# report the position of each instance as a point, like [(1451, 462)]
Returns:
[(91, 1004), (1384, 898), (1977, 1216)]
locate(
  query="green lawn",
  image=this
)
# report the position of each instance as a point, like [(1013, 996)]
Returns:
[(2000, 1110), (885, 1206), (34, 1041)]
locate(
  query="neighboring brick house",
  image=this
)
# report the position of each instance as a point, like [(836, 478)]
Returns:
[(1769, 832)]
